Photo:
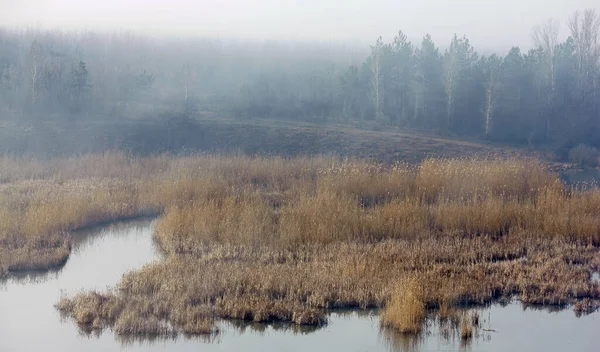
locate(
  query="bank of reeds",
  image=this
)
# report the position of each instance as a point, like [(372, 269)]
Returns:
[(275, 239)]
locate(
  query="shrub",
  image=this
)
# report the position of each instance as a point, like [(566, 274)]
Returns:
[(584, 155)]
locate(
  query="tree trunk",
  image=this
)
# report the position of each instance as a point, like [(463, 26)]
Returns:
[(488, 110)]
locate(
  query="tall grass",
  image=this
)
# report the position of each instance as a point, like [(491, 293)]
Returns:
[(406, 309), (275, 239)]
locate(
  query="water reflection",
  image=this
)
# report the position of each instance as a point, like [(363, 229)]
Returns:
[(30, 277), (502, 328), (148, 341), (396, 341), (242, 326)]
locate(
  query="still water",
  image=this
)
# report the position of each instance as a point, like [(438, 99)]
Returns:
[(29, 322)]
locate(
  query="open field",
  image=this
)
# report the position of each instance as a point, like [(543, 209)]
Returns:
[(206, 132), (276, 239)]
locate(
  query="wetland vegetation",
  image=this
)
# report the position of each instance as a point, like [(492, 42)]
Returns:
[(273, 239)]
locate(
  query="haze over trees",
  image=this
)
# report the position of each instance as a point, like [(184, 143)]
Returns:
[(548, 95)]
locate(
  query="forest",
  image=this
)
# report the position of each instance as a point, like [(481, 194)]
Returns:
[(547, 95)]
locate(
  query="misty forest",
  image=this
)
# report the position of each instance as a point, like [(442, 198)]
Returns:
[(548, 95)]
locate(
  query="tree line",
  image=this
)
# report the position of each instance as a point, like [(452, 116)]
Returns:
[(549, 94)]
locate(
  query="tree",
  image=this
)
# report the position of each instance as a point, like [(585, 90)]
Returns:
[(79, 85), (514, 106), (570, 111), (5, 78), (545, 38), (186, 83), (399, 78), (585, 31), (457, 60), (351, 93), (491, 67), (36, 60), (377, 74), (428, 87)]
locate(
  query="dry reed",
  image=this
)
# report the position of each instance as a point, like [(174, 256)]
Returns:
[(275, 239), (406, 309)]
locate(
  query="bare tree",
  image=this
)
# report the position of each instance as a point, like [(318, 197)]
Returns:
[(585, 31), (36, 57), (492, 72), (545, 37), (4, 73), (418, 88), (186, 83), (450, 80), (376, 68)]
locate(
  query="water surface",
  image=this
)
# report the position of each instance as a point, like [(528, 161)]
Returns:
[(29, 322)]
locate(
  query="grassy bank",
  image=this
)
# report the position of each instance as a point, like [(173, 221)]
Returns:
[(275, 239)]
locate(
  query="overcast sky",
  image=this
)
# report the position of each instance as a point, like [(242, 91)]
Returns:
[(489, 24)]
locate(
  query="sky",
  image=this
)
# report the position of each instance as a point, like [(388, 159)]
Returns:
[(493, 25)]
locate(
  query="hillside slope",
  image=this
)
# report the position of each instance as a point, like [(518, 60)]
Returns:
[(208, 133)]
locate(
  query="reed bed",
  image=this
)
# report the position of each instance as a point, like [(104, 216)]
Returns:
[(273, 239)]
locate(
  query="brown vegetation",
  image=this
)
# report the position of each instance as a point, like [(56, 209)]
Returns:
[(274, 239), (405, 310)]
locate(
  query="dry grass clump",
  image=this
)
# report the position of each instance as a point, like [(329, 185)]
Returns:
[(189, 307), (467, 178), (245, 219), (575, 214), (33, 252), (406, 309), (368, 184), (136, 316), (323, 218), (399, 218), (586, 306), (91, 309)]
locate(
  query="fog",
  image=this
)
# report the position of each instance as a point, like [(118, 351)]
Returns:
[(146, 76), (489, 24)]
